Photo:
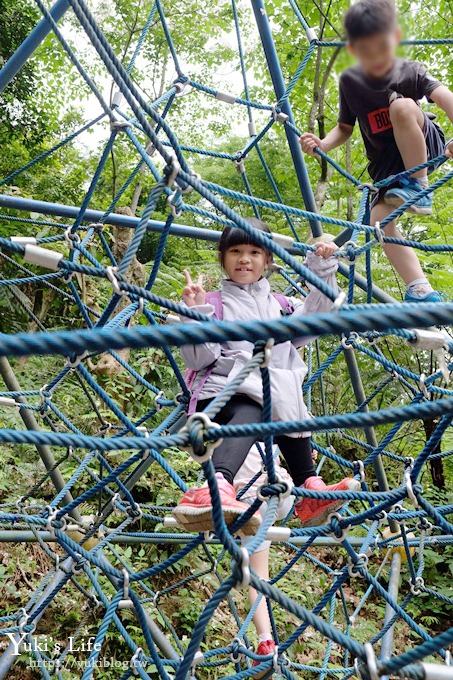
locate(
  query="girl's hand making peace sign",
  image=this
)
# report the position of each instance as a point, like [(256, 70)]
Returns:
[(193, 293)]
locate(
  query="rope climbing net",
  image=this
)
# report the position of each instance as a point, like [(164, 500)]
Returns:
[(381, 527)]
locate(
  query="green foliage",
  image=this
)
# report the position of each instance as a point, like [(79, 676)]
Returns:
[(47, 101)]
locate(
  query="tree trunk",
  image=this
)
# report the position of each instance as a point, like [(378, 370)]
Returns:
[(436, 465)]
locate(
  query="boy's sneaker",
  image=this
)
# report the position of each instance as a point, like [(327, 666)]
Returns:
[(432, 296), (194, 510), (399, 195), (313, 512), (264, 648)]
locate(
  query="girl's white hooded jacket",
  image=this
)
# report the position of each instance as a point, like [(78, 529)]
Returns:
[(246, 302)]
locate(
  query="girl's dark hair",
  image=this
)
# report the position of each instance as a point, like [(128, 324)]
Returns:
[(368, 17), (233, 236)]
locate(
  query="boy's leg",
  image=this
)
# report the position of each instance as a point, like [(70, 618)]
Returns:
[(403, 258), (408, 122)]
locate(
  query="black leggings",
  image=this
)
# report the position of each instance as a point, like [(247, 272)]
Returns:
[(229, 456)]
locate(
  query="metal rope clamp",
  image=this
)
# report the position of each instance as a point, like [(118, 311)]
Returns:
[(410, 489), (73, 363), (111, 273), (171, 171), (366, 185), (50, 519), (182, 88), (159, 395), (378, 232), (267, 352), (205, 450), (279, 116), (339, 301), (347, 342), (244, 567), (71, 238), (116, 125), (361, 470), (23, 622), (438, 342), (283, 494), (312, 34), (351, 246), (97, 226), (45, 396), (361, 562), (126, 602), (239, 163), (344, 530), (275, 662), (371, 664), (134, 512), (417, 586), (174, 200), (188, 188), (135, 660), (235, 655)]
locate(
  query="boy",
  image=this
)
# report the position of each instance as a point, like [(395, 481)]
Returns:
[(382, 93)]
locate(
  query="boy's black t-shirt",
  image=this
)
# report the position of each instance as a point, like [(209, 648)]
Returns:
[(366, 99)]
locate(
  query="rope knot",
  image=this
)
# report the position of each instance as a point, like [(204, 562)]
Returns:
[(195, 428)]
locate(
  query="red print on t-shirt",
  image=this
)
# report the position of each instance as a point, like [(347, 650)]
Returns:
[(379, 120)]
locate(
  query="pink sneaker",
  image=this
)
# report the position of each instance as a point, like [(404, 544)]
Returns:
[(264, 649), (194, 510), (313, 512)]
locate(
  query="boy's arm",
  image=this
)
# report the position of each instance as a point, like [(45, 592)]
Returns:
[(336, 137), (443, 97)]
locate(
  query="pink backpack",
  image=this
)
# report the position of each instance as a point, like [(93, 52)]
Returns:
[(214, 298)]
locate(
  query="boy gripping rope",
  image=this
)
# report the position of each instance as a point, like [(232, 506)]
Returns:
[(382, 93)]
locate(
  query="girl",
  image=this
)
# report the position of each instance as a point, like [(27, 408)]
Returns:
[(250, 477), (246, 295)]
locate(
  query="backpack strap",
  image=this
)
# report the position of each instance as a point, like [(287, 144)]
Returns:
[(285, 303)]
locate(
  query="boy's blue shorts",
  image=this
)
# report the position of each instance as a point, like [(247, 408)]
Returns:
[(435, 146)]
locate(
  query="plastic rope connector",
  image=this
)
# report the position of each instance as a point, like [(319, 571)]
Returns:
[(430, 340), (24, 240), (43, 257), (117, 99), (312, 35), (8, 401), (224, 97)]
